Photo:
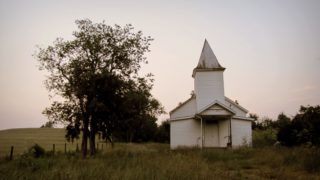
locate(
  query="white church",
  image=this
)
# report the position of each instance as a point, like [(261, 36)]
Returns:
[(208, 118)]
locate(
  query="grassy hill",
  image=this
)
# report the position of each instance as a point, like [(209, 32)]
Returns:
[(23, 138)]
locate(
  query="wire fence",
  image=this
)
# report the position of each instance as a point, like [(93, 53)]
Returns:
[(55, 148)]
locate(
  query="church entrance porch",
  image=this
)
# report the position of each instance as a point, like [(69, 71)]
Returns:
[(215, 131)]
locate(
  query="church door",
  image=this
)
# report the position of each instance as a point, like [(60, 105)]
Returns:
[(211, 134)]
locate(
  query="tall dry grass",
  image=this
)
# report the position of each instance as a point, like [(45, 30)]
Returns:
[(157, 161)]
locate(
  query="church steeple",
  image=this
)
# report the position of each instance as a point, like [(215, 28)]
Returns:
[(208, 61), (208, 78)]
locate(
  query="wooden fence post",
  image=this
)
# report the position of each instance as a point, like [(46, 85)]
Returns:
[(11, 153), (53, 148)]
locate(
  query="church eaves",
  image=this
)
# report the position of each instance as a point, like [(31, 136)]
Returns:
[(208, 61)]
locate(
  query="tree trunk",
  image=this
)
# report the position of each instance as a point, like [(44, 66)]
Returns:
[(84, 143), (111, 141), (92, 142), (85, 129)]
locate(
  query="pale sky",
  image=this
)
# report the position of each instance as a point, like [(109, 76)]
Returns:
[(271, 50)]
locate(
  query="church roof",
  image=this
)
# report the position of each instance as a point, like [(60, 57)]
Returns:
[(236, 104), (225, 106), (216, 102), (208, 61)]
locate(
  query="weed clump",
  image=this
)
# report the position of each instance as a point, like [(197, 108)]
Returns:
[(311, 162), (36, 151)]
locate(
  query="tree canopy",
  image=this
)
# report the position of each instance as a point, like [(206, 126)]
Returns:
[(96, 76), (304, 128)]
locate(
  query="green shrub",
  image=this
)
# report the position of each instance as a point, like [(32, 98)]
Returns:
[(36, 151), (263, 138)]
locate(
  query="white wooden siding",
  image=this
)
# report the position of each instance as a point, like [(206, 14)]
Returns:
[(208, 87), (241, 132), (185, 133), (188, 109)]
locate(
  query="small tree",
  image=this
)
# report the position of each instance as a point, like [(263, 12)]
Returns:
[(36, 151), (163, 134), (48, 124), (282, 120), (255, 123)]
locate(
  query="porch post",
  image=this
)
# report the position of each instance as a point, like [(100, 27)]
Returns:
[(230, 135), (201, 129), (201, 133)]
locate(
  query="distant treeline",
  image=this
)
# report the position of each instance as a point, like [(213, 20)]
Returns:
[(302, 129)]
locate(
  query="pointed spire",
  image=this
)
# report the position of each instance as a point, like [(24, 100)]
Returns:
[(207, 58), (208, 61)]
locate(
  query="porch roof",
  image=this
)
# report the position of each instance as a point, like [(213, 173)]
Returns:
[(216, 108)]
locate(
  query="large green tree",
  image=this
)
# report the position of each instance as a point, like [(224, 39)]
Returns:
[(96, 75), (304, 128)]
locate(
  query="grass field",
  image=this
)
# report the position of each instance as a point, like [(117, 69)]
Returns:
[(157, 161), (24, 138)]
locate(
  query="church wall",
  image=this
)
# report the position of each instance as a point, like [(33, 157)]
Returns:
[(185, 133), (208, 86), (241, 132), (188, 109)]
